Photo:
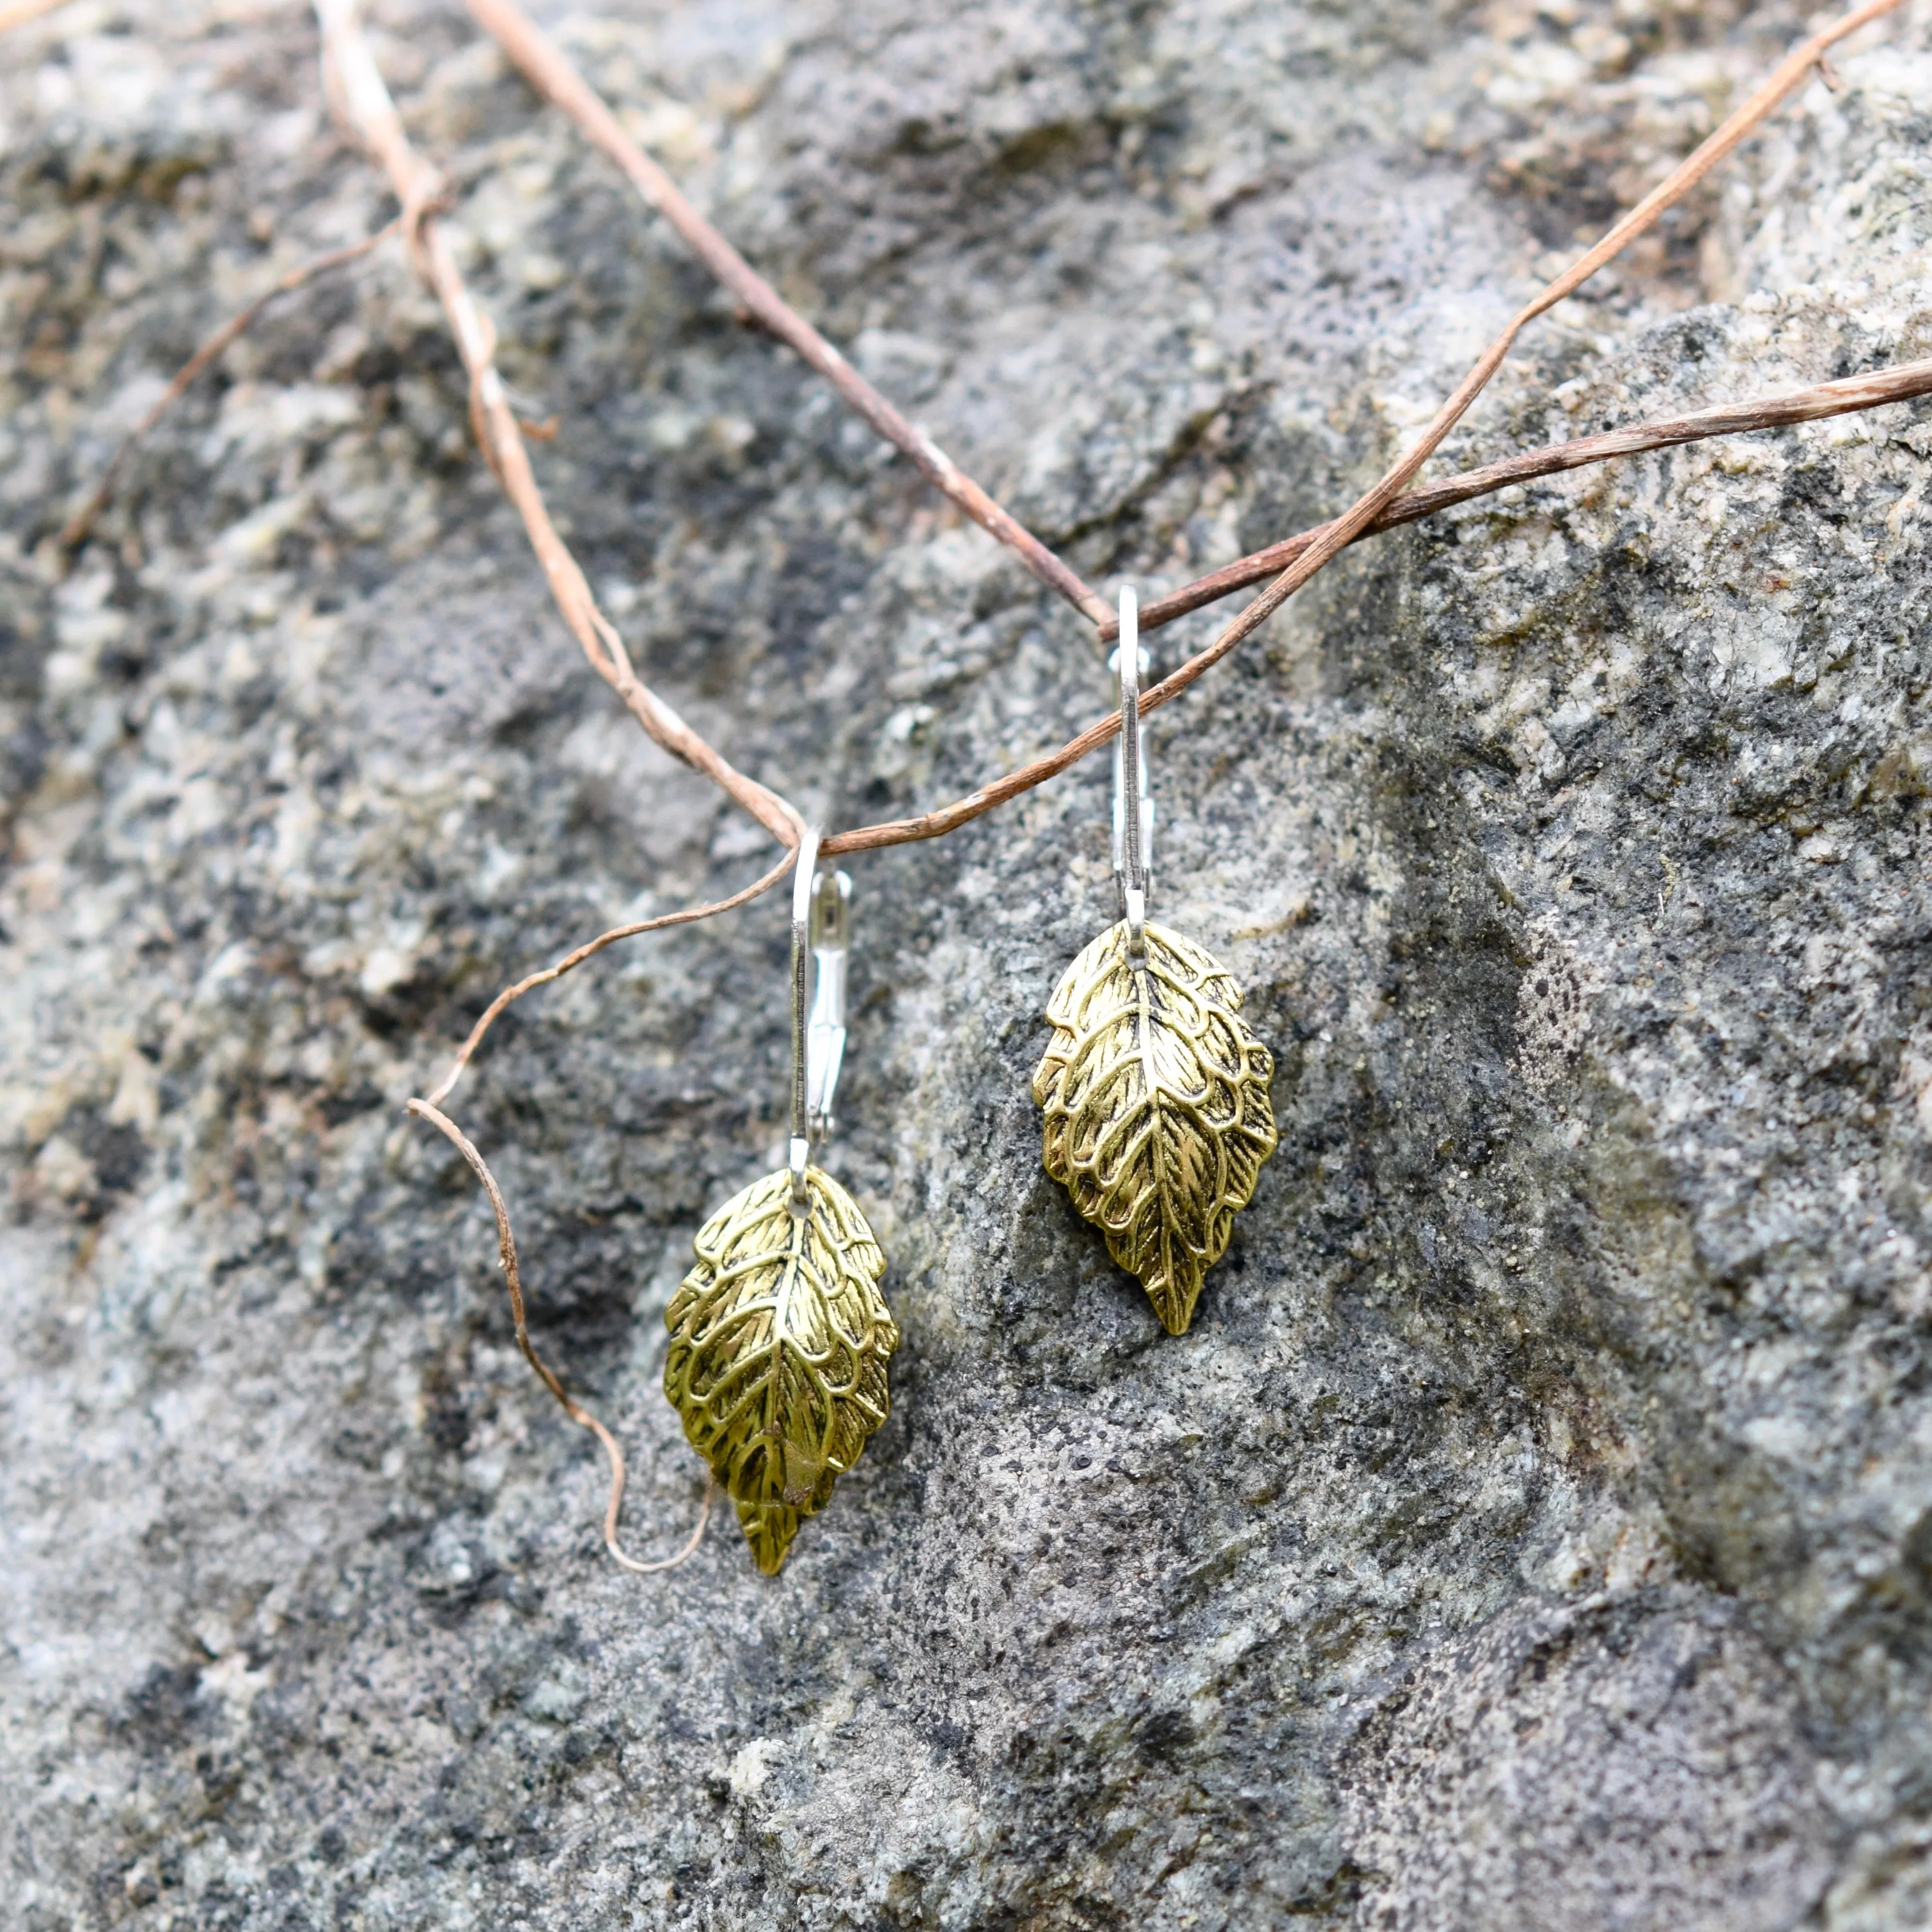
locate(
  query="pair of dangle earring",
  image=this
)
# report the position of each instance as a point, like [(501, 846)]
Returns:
[(779, 1337), (1157, 1120), (1158, 1115)]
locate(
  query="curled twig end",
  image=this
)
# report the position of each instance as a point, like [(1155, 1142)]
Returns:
[(425, 1110)]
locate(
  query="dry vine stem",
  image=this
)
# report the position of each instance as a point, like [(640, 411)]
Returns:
[(552, 76), (369, 107), (21, 11), (1336, 537), (1845, 397), (359, 91), (357, 86), (74, 532), (506, 1244), (571, 961)]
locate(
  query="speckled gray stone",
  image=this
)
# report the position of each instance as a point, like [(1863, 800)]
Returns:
[(1535, 1529)]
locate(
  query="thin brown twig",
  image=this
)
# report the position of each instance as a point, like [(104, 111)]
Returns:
[(21, 11), (74, 532), (1848, 396), (1337, 536), (546, 69), (1871, 391), (356, 85), (588, 950), (367, 104), (506, 1244)]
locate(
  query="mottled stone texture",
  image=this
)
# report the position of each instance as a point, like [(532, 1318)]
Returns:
[(1535, 1529)]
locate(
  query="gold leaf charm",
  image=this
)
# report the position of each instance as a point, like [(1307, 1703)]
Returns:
[(778, 1347), (1158, 1116)]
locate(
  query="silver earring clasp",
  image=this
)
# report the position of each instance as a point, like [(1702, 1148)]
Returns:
[(821, 938), (830, 938), (1133, 793), (800, 1153)]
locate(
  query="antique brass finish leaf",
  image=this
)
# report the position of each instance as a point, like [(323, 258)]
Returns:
[(778, 1347), (1158, 1117)]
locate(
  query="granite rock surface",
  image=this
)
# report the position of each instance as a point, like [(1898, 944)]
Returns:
[(1534, 1530)]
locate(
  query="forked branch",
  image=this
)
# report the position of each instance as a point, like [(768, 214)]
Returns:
[(1846, 397), (544, 66), (369, 107), (1336, 537)]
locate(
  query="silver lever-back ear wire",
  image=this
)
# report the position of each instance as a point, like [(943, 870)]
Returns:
[(831, 939), (800, 1151), (1133, 804)]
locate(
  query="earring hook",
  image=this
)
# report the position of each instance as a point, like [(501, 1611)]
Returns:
[(831, 941), (1133, 794), (800, 1151), (821, 938)]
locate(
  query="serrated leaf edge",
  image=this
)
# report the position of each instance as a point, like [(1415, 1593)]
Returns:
[(1174, 1289), (712, 1305)]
